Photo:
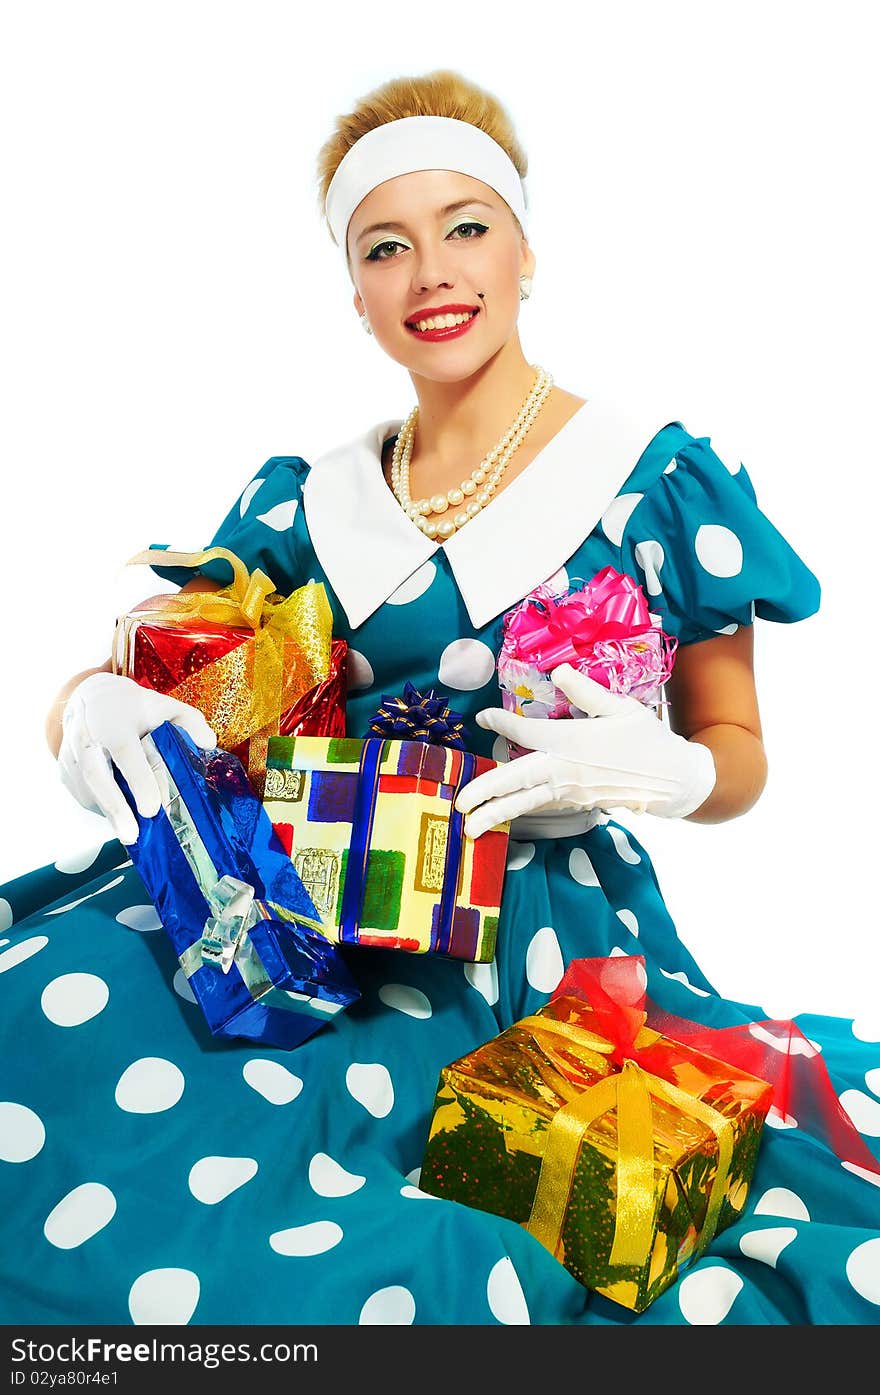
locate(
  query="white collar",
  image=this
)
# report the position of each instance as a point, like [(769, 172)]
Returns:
[(368, 547)]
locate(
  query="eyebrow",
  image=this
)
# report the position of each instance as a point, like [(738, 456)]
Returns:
[(442, 213)]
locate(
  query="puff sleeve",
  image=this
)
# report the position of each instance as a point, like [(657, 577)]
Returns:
[(707, 557), (262, 528)]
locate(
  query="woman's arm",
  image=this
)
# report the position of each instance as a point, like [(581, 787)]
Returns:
[(53, 718), (713, 700)]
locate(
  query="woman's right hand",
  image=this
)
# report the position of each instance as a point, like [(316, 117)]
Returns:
[(104, 719)]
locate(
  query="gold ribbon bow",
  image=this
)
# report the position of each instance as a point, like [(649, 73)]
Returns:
[(629, 1091), (291, 646)]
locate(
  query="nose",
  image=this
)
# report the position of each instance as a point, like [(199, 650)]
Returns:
[(429, 271)]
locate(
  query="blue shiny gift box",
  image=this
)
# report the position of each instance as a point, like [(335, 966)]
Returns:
[(244, 928)]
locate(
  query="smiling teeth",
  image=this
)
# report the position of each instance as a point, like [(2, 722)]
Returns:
[(443, 321)]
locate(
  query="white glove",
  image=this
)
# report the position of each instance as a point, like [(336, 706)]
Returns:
[(619, 756), (104, 719)]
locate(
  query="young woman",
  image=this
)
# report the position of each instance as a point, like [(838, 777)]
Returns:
[(160, 1175)]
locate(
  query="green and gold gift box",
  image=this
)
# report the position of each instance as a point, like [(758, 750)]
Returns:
[(371, 829), (624, 1171)]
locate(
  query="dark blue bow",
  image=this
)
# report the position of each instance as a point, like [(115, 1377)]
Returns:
[(418, 717)]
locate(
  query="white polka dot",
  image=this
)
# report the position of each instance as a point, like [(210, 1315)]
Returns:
[(142, 918), (777, 1120), (466, 664), (519, 855), (631, 922), (415, 585), (872, 1080), (785, 1045), (872, 1177), (405, 999), (328, 1178), (416, 1194), (622, 845), (727, 630), (6, 916), (22, 951), (767, 1245), (681, 977), (558, 583), (728, 454), (280, 516), (247, 495), (22, 1133), (706, 1296), (392, 1306), (505, 1296), (181, 987), (863, 1270), (781, 1201), (864, 1112), (616, 516), (149, 1086), (164, 1296), (617, 953), (79, 861), (484, 977), (673, 464), (500, 750), (71, 905), (213, 1178), (866, 1028), (301, 1241), (80, 1215), (370, 1084), (72, 999), (718, 550), (415, 1176), (359, 670), (650, 557), (544, 967), (273, 1081), (581, 868)]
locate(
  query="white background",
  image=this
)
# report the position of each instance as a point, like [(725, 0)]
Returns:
[(702, 188)]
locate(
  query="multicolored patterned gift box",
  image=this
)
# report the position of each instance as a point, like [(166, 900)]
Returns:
[(623, 1173), (371, 829), (246, 933)]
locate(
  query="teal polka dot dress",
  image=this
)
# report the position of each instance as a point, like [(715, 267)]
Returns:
[(144, 1163)]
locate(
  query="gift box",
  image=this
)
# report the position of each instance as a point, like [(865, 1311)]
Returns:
[(246, 933), (371, 829), (623, 1166), (254, 663), (603, 628)]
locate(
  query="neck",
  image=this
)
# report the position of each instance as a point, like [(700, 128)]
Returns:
[(460, 421)]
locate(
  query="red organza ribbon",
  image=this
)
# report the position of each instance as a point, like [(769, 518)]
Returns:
[(774, 1050)]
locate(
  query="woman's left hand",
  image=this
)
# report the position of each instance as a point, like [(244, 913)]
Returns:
[(619, 756)]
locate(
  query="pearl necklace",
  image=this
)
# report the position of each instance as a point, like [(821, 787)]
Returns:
[(480, 485)]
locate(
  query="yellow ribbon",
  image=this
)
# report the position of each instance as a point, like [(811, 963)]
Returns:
[(242, 696), (629, 1092)]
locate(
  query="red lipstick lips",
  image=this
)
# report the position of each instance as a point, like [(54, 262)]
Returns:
[(454, 332)]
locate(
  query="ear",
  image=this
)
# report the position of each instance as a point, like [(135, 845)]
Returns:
[(528, 263), (358, 303)]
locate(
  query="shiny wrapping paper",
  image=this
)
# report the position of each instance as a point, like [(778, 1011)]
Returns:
[(371, 830), (254, 663), (620, 1170), (245, 931)]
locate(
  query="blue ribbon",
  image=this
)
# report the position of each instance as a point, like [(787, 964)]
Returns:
[(372, 755), (419, 717)]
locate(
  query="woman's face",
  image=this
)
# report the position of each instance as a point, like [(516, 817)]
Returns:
[(411, 252)]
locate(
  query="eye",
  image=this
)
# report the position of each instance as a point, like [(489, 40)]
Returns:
[(477, 228), (373, 254)]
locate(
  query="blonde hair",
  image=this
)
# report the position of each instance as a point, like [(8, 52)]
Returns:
[(439, 93)]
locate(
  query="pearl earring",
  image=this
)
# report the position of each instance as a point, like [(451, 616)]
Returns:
[(366, 323), (525, 287)]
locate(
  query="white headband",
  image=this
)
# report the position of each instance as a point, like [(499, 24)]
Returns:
[(419, 143)]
